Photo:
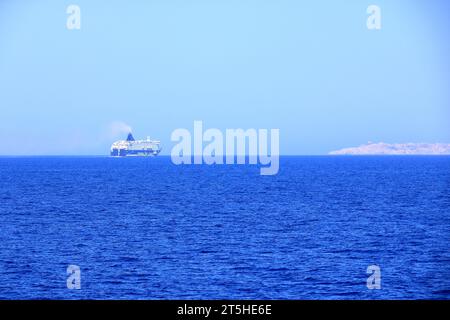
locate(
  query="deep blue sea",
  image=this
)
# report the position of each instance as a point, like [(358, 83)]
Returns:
[(144, 228)]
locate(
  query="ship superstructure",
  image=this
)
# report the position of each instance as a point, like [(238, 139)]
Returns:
[(132, 147)]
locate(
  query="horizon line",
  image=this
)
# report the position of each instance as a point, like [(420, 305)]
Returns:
[(167, 155)]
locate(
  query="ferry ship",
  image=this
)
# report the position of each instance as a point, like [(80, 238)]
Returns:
[(132, 147)]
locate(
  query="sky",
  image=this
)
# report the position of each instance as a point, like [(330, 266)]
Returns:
[(309, 68)]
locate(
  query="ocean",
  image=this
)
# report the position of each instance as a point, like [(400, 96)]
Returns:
[(144, 228)]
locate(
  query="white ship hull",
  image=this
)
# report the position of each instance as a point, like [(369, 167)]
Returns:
[(135, 148)]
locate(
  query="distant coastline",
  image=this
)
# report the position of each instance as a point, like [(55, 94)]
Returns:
[(382, 148)]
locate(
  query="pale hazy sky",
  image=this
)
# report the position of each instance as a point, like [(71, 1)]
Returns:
[(313, 70)]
